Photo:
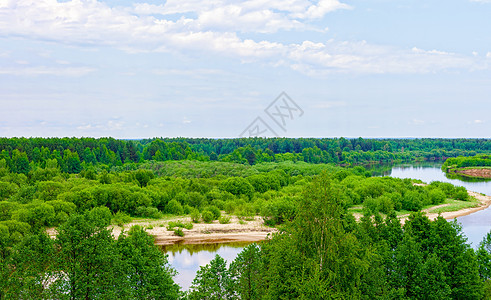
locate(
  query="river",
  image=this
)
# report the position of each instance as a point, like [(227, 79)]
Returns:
[(187, 259), (474, 226)]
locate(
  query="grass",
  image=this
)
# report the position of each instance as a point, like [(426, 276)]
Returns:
[(453, 205)]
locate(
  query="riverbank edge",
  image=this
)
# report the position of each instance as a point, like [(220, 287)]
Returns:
[(478, 173), (251, 231), (485, 202)]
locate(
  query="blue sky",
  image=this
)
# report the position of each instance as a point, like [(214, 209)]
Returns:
[(193, 68)]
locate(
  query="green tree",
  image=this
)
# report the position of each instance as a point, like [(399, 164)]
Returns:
[(143, 177), (71, 162), (20, 162), (89, 258), (246, 273), (212, 282), (146, 267)]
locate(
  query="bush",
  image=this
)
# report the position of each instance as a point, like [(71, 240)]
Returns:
[(224, 220), (215, 211), (229, 206), (437, 196), (278, 211), (461, 193), (187, 209), (195, 215), (178, 232), (385, 204), (207, 216), (179, 224), (148, 212), (120, 218), (371, 204), (174, 207)]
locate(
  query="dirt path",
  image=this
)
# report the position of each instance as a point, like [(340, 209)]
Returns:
[(251, 231)]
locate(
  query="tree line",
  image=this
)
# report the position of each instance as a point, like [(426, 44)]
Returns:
[(75, 154), (482, 160)]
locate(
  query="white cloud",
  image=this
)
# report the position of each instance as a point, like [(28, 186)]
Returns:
[(319, 10), (42, 70), (417, 122), (214, 27)]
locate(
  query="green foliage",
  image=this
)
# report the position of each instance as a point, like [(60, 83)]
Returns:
[(120, 218), (147, 268), (437, 196), (195, 215), (246, 273), (174, 207), (278, 211), (238, 186), (143, 177), (148, 212), (215, 211), (224, 220), (179, 224), (207, 216), (178, 232), (212, 281)]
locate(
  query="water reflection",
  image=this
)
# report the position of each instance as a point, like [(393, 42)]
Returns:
[(187, 258)]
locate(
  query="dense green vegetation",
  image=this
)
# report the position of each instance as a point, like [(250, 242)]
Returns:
[(452, 164), (324, 254), (76, 154), (82, 185)]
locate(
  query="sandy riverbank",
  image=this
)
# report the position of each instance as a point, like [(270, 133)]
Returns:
[(484, 202), (250, 231), (477, 173)]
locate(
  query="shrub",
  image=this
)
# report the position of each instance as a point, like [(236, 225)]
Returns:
[(174, 207), (178, 232), (437, 196), (215, 211), (187, 209), (461, 193), (195, 215), (371, 204), (179, 224), (229, 206), (385, 204), (207, 216), (278, 211), (120, 218), (224, 220), (148, 212)]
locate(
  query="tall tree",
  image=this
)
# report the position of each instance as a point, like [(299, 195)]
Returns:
[(212, 282), (146, 267)]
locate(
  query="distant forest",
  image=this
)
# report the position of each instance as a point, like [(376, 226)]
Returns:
[(73, 154)]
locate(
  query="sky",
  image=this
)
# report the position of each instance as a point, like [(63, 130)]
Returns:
[(227, 68)]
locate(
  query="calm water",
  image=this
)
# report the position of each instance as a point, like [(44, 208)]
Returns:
[(475, 226), (187, 259)]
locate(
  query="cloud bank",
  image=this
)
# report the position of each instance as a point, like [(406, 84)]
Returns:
[(217, 27)]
